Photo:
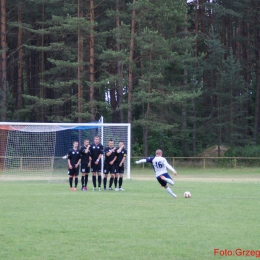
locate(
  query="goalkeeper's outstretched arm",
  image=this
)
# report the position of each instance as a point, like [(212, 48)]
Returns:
[(140, 161)]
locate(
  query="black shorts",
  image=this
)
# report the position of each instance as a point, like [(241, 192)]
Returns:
[(162, 182), (108, 168), (73, 172), (85, 168), (119, 169), (96, 167)]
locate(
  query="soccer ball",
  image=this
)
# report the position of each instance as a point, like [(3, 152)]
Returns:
[(187, 194)]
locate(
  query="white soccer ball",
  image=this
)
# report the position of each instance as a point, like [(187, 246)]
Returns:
[(187, 194)]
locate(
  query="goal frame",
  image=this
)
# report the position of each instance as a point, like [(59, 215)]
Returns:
[(101, 125)]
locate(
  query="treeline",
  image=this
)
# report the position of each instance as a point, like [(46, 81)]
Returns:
[(185, 74)]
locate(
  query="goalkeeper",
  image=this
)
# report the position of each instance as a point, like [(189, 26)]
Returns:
[(159, 165)]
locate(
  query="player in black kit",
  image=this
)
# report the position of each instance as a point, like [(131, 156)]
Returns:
[(85, 164), (74, 159), (109, 167), (119, 165), (96, 150)]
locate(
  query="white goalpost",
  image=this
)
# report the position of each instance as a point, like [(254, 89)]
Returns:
[(35, 150)]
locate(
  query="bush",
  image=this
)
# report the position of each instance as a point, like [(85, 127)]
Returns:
[(247, 151)]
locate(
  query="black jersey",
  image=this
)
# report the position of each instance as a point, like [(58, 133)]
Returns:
[(111, 156), (84, 156), (95, 151), (74, 156), (120, 155)]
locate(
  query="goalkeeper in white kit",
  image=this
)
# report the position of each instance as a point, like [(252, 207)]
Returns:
[(159, 165)]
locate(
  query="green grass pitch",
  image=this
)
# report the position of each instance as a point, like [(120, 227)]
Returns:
[(45, 220)]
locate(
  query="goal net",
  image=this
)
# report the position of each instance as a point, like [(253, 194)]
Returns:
[(34, 151)]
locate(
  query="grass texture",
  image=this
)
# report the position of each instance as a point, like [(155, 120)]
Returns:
[(45, 220)]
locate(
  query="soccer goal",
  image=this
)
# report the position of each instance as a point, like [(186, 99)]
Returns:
[(34, 151)]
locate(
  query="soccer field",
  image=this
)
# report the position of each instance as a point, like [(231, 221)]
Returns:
[(45, 220)]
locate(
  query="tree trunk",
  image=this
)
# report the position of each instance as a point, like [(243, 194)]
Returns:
[(257, 55), (231, 116), (119, 73), (247, 76), (92, 61), (145, 135), (257, 104), (148, 107), (219, 130), (194, 130), (20, 59), (196, 28), (184, 112), (3, 61), (43, 64), (80, 64), (131, 58)]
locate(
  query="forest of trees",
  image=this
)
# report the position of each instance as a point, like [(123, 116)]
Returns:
[(185, 74)]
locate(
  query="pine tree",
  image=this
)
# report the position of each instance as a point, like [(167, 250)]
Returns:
[(3, 76)]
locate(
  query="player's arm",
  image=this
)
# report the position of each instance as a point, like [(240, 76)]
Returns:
[(123, 159), (119, 150), (89, 161), (113, 160), (168, 166), (87, 149), (78, 163), (69, 164), (99, 156), (110, 152), (98, 159), (141, 161)]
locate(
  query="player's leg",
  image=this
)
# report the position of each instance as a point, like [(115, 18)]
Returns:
[(83, 180), (70, 181), (83, 174), (168, 189), (98, 170), (86, 181), (165, 185), (94, 174), (112, 175), (166, 177), (86, 178), (121, 181), (70, 173), (115, 181), (99, 179), (106, 171), (94, 180), (105, 181), (76, 171), (116, 174), (121, 176)]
